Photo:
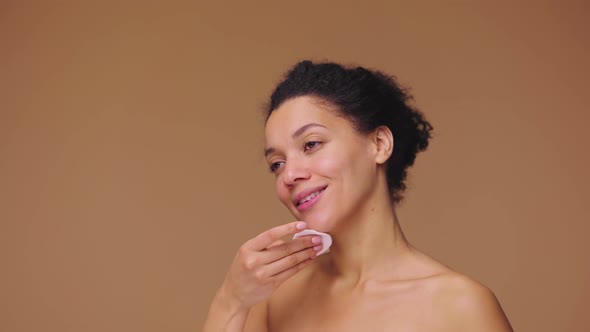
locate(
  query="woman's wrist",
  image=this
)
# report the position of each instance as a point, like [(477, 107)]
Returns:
[(226, 313), (230, 304)]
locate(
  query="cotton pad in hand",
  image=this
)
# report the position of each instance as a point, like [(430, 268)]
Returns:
[(326, 239)]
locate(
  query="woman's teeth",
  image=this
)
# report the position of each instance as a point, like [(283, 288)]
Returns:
[(310, 196)]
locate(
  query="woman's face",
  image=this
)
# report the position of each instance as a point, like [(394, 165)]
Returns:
[(324, 168)]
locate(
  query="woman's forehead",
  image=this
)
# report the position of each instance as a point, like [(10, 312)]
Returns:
[(298, 112)]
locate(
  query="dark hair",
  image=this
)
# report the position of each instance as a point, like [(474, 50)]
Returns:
[(369, 99)]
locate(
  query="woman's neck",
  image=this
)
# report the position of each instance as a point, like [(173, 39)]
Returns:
[(367, 247)]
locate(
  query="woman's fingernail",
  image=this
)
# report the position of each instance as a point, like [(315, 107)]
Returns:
[(318, 247), (301, 225), (316, 239)]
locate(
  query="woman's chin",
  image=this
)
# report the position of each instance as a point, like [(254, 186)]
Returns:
[(316, 219), (318, 223)]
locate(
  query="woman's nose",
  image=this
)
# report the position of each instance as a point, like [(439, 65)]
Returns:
[(294, 172)]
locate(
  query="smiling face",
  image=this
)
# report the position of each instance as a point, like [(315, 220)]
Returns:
[(325, 169)]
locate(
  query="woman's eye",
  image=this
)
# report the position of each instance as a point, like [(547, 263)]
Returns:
[(274, 166), (311, 145)]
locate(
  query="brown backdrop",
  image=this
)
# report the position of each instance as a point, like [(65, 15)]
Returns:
[(131, 137)]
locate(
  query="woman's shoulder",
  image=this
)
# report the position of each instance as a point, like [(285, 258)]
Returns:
[(461, 302), (467, 304), (455, 288)]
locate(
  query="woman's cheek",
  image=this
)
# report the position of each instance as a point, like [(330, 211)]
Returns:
[(329, 167), (282, 192)]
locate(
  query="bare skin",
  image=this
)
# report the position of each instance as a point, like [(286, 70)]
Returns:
[(372, 279), (415, 293)]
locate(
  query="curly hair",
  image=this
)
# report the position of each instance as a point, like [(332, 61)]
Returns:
[(369, 99)]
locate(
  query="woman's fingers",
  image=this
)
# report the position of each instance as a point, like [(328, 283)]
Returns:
[(264, 262), (276, 243), (266, 239), (286, 263), (288, 273), (277, 252)]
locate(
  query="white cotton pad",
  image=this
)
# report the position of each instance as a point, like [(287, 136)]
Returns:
[(326, 239)]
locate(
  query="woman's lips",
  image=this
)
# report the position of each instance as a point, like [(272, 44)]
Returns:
[(308, 204)]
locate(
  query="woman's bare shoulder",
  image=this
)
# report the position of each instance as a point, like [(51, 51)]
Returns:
[(462, 303), (468, 305)]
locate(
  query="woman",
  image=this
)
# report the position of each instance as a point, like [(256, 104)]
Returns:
[(339, 142)]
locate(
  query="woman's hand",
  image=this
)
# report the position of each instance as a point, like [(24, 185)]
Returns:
[(265, 262)]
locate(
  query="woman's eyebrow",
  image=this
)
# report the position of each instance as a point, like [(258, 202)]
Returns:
[(301, 130), (268, 151), (296, 134)]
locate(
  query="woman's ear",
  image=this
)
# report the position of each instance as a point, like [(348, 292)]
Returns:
[(384, 143)]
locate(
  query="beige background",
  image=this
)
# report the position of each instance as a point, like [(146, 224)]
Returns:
[(131, 138)]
